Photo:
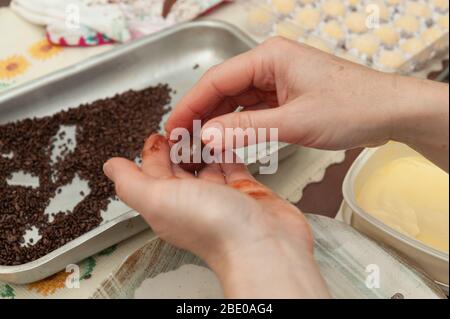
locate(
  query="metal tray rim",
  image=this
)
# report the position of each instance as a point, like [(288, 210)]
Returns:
[(88, 63), (68, 71), (73, 243)]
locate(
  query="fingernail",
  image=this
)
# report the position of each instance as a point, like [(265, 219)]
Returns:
[(213, 134), (108, 170)]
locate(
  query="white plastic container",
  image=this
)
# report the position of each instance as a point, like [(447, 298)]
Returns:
[(434, 262), (267, 18)]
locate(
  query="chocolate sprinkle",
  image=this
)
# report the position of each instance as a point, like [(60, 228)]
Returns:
[(398, 295), (106, 128)]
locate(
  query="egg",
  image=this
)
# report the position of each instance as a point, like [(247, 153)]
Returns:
[(333, 30), (284, 6), (354, 3), (387, 35), (260, 14), (333, 8), (356, 22), (432, 34), (413, 46), (366, 44), (349, 57), (418, 9), (408, 23), (443, 22), (391, 59), (260, 19), (382, 9), (319, 44), (308, 18), (288, 30), (441, 5)]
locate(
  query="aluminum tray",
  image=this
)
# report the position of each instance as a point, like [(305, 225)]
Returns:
[(167, 57)]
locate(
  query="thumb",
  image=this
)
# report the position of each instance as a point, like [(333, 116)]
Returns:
[(159, 202), (132, 186)]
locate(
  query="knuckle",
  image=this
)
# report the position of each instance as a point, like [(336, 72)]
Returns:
[(120, 188), (211, 71), (245, 120), (276, 42)]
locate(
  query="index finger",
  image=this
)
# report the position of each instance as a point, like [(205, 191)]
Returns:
[(227, 79)]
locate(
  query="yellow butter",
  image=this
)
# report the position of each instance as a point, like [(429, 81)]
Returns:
[(410, 194)]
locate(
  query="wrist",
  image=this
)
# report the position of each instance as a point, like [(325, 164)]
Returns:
[(269, 268), (420, 110), (421, 118)]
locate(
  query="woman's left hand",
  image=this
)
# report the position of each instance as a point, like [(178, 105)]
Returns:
[(258, 244)]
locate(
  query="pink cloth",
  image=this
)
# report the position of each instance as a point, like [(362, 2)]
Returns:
[(98, 22)]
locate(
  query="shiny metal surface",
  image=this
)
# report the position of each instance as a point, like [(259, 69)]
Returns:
[(167, 57)]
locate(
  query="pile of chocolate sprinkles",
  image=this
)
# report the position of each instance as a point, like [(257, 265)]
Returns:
[(106, 128)]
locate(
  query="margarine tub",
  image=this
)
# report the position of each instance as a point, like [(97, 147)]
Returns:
[(399, 198)]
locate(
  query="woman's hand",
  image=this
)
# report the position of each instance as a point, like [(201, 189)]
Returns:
[(318, 100), (258, 244)]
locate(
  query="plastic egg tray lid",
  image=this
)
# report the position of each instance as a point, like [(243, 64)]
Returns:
[(390, 35)]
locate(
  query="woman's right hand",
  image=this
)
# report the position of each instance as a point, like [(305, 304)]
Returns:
[(318, 100)]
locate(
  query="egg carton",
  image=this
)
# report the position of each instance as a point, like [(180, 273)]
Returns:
[(388, 35)]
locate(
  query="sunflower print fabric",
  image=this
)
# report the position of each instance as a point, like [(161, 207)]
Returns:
[(43, 50), (13, 66)]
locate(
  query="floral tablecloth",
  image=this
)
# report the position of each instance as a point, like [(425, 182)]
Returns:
[(25, 53)]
